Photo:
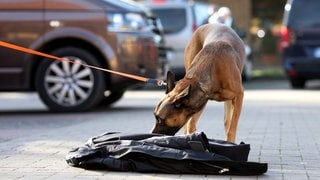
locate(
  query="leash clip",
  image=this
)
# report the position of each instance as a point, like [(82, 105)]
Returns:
[(161, 83), (156, 82)]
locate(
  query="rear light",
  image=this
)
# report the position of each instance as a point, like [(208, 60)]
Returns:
[(194, 27), (285, 37), (292, 73), (159, 1)]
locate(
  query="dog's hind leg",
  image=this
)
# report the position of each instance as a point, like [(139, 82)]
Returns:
[(232, 113)]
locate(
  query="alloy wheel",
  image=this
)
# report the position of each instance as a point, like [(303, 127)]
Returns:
[(68, 84)]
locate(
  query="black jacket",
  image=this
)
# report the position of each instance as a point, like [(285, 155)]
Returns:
[(189, 154)]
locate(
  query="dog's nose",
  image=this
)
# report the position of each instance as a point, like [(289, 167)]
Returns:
[(159, 120)]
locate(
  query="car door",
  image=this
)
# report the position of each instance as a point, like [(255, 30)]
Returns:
[(21, 24)]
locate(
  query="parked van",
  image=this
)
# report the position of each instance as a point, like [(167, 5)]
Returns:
[(118, 35), (180, 19), (300, 41)]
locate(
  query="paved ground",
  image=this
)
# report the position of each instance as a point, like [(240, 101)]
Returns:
[(282, 126)]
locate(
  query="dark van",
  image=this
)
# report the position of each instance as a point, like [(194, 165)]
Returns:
[(301, 41), (116, 35)]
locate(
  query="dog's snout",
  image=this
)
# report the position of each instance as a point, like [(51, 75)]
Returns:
[(161, 127)]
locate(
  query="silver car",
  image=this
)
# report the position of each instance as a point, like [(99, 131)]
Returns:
[(179, 21)]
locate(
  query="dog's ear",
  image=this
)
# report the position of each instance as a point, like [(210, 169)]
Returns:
[(170, 81)]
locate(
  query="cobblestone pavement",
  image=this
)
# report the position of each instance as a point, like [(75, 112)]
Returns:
[(281, 125)]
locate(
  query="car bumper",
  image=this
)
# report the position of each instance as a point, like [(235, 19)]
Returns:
[(302, 67)]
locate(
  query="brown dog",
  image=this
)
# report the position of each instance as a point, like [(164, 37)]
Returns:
[(214, 60)]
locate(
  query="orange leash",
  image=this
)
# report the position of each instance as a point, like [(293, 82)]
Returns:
[(34, 52)]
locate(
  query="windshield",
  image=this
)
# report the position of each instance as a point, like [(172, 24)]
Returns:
[(168, 16), (304, 13)]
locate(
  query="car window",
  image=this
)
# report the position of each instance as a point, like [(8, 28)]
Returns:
[(304, 13), (172, 19), (201, 13)]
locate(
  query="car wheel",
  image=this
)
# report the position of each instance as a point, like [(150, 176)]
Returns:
[(65, 86), (247, 71), (297, 83)]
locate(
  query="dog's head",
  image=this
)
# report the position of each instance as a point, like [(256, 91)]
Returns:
[(181, 101)]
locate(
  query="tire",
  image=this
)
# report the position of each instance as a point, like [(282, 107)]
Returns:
[(247, 71), (67, 87), (297, 83)]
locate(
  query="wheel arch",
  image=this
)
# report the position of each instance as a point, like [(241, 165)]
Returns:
[(75, 37), (64, 42)]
